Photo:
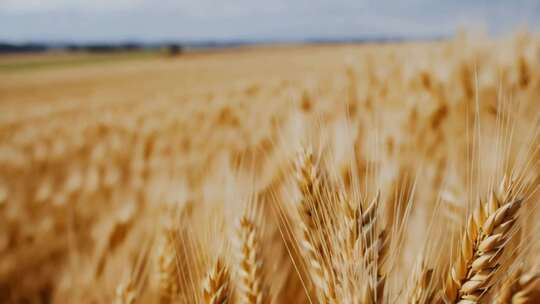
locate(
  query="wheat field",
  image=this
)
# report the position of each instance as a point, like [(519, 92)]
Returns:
[(376, 173)]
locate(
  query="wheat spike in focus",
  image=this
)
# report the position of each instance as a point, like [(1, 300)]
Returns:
[(483, 243)]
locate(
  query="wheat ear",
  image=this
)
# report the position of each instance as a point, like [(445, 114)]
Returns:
[(250, 287), (360, 235), (482, 245), (310, 209), (374, 258), (167, 268), (216, 285), (352, 226), (373, 248), (518, 288), (422, 292), (125, 294)]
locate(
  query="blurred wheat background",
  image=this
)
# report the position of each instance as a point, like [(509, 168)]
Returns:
[(376, 173)]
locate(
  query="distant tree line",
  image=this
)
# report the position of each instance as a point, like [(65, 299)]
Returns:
[(104, 48), (173, 48), (170, 48), (22, 48)]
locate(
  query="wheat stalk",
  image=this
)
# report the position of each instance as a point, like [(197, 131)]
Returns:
[(481, 248)]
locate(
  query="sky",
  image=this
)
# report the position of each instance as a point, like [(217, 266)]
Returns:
[(198, 20)]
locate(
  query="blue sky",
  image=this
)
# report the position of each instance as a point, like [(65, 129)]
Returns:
[(152, 20)]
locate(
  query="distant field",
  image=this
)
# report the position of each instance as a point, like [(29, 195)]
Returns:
[(121, 78), (31, 62)]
